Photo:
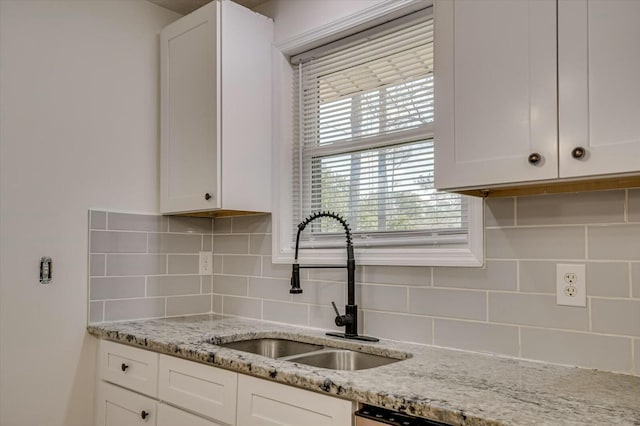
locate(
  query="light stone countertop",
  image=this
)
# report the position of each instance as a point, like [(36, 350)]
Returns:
[(455, 387)]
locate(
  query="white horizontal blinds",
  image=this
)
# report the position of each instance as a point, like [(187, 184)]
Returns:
[(363, 139)]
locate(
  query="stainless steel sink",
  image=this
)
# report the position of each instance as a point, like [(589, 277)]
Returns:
[(342, 359), (272, 348), (311, 354)]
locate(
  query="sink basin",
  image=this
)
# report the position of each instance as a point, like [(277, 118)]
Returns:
[(272, 348), (342, 359)]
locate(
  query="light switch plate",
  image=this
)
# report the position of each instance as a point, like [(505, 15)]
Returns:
[(206, 263), (571, 288)]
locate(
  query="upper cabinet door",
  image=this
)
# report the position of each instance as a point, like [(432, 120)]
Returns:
[(495, 92), (190, 135), (599, 86)]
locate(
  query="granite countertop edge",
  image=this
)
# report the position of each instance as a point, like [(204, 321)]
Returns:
[(451, 386)]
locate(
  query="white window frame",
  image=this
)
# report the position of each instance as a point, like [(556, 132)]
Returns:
[(470, 254)]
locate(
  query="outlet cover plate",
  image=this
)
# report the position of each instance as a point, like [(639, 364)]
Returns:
[(206, 263), (571, 288)]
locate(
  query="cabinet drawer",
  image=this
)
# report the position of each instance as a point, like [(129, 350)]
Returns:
[(133, 368), (200, 388), (264, 403), (120, 407), (171, 416)]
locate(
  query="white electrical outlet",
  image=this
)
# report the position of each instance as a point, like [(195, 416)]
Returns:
[(206, 263), (571, 288)]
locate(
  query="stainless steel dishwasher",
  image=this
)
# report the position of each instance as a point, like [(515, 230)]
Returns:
[(369, 415)]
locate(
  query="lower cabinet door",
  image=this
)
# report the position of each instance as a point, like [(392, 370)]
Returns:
[(120, 407), (171, 416), (202, 389), (264, 403)]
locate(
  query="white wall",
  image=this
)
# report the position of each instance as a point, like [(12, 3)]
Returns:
[(78, 129)]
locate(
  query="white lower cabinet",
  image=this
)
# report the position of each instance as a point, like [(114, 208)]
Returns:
[(264, 403), (199, 388), (187, 393), (171, 416), (116, 406)]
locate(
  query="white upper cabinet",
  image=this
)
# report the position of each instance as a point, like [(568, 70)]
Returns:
[(521, 84), (495, 71), (599, 86), (216, 111)]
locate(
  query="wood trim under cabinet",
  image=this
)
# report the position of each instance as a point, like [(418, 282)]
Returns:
[(591, 184)]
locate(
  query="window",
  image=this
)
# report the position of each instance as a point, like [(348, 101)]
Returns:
[(363, 147)]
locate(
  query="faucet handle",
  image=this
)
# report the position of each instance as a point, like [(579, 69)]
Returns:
[(341, 320), (335, 308)]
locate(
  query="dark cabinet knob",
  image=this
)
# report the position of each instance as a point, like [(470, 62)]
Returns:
[(207, 196), (124, 367), (144, 415), (578, 153), (535, 158)]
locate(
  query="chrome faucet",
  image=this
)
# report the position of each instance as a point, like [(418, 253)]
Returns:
[(350, 319)]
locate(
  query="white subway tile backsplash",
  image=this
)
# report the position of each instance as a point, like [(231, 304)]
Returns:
[(173, 285), (553, 242), (136, 264), (321, 292), (217, 264), (222, 225), (188, 305), (448, 303), (183, 264), (206, 284), (195, 225), (207, 243), (581, 349), (118, 242), (614, 316), (276, 270), (635, 280), (634, 205), (260, 244), (608, 279), (382, 297), (116, 288), (323, 317), (97, 265), (537, 276), (216, 303), (269, 288), (126, 309), (230, 285), (95, 311), (404, 275), (495, 275), (231, 244), (571, 209), (499, 212), (614, 242), (406, 328), (137, 222), (97, 220), (536, 310), (255, 224), (292, 313), (477, 336), (242, 307), (508, 307), (242, 265), (174, 243), (333, 274)]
